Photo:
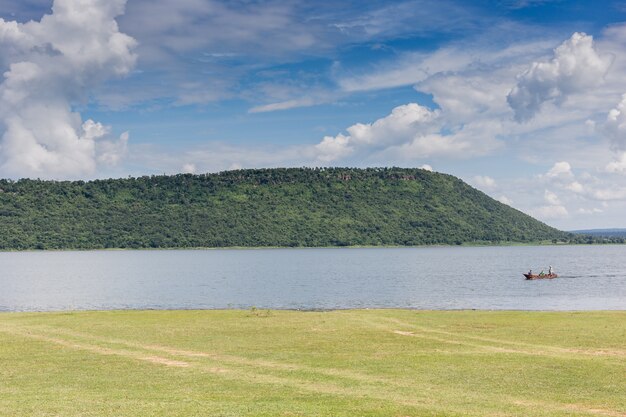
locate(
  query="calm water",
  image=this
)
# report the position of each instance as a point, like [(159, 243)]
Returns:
[(591, 277)]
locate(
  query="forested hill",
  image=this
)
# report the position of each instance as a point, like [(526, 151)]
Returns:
[(266, 207)]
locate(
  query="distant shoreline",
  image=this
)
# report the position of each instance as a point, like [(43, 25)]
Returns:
[(467, 245), (261, 310)]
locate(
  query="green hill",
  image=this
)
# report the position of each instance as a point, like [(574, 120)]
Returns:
[(266, 207)]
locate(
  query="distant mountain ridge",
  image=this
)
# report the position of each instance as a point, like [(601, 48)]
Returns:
[(615, 232), (290, 207)]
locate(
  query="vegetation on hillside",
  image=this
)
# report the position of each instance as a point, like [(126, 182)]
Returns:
[(296, 207)]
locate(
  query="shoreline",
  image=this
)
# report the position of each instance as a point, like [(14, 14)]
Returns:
[(262, 310), (202, 248)]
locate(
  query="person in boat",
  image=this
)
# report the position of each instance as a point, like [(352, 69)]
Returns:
[(541, 273), (550, 270), (530, 272)]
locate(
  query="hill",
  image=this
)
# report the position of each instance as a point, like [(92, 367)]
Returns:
[(266, 207)]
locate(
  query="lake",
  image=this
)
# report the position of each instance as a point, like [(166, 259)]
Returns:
[(590, 278)]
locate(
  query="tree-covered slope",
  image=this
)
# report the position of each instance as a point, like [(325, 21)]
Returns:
[(268, 207)]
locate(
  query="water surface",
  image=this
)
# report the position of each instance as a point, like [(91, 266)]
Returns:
[(591, 278)]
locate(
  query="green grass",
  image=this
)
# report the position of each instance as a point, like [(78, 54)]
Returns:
[(339, 363)]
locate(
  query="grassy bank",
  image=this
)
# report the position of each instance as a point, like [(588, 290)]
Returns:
[(340, 363)]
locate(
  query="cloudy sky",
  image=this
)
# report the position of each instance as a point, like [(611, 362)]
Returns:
[(523, 99)]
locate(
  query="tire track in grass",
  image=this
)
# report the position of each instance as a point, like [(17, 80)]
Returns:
[(225, 360), (569, 408), (378, 393), (417, 333), (518, 347), (231, 359), (516, 401), (100, 350), (557, 349), (375, 392), (488, 348), (483, 348)]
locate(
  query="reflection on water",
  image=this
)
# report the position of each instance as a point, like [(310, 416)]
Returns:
[(590, 278)]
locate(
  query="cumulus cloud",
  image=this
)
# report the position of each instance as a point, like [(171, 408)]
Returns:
[(411, 132), (334, 147), (550, 212), (111, 152), (614, 128), (473, 91), (619, 165), (405, 123), (560, 169), (615, 125), (575, 67), (426, 167), (609, 194), (189, 168), (551, 198), (465, 95), (52, 65), (484, 181), (575, 187)]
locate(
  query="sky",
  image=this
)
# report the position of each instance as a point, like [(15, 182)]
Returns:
[(523, 99)]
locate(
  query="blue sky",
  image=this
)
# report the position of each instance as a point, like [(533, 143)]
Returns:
[(520, 98)]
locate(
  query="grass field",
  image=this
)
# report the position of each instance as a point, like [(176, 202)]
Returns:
[(339, 363)]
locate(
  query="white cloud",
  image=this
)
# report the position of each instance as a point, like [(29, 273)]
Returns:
[(505, 200), (215, 157), (475, 118), (189, 168), (426, 167), (551, 198), (566, 202), (410, 69), (560, 169), (608, 194), (404, 124), (283, 105), (333, 147), (575, 187), (52, 65), (465, 95), (111, 152), (217, 28), (619, 165), (550, 212), (593, 210), (575, 67), (615, 125), (412, 132), (414, 68), (484, 182)]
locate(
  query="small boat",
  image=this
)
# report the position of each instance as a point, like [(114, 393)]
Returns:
[(540, 276)]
